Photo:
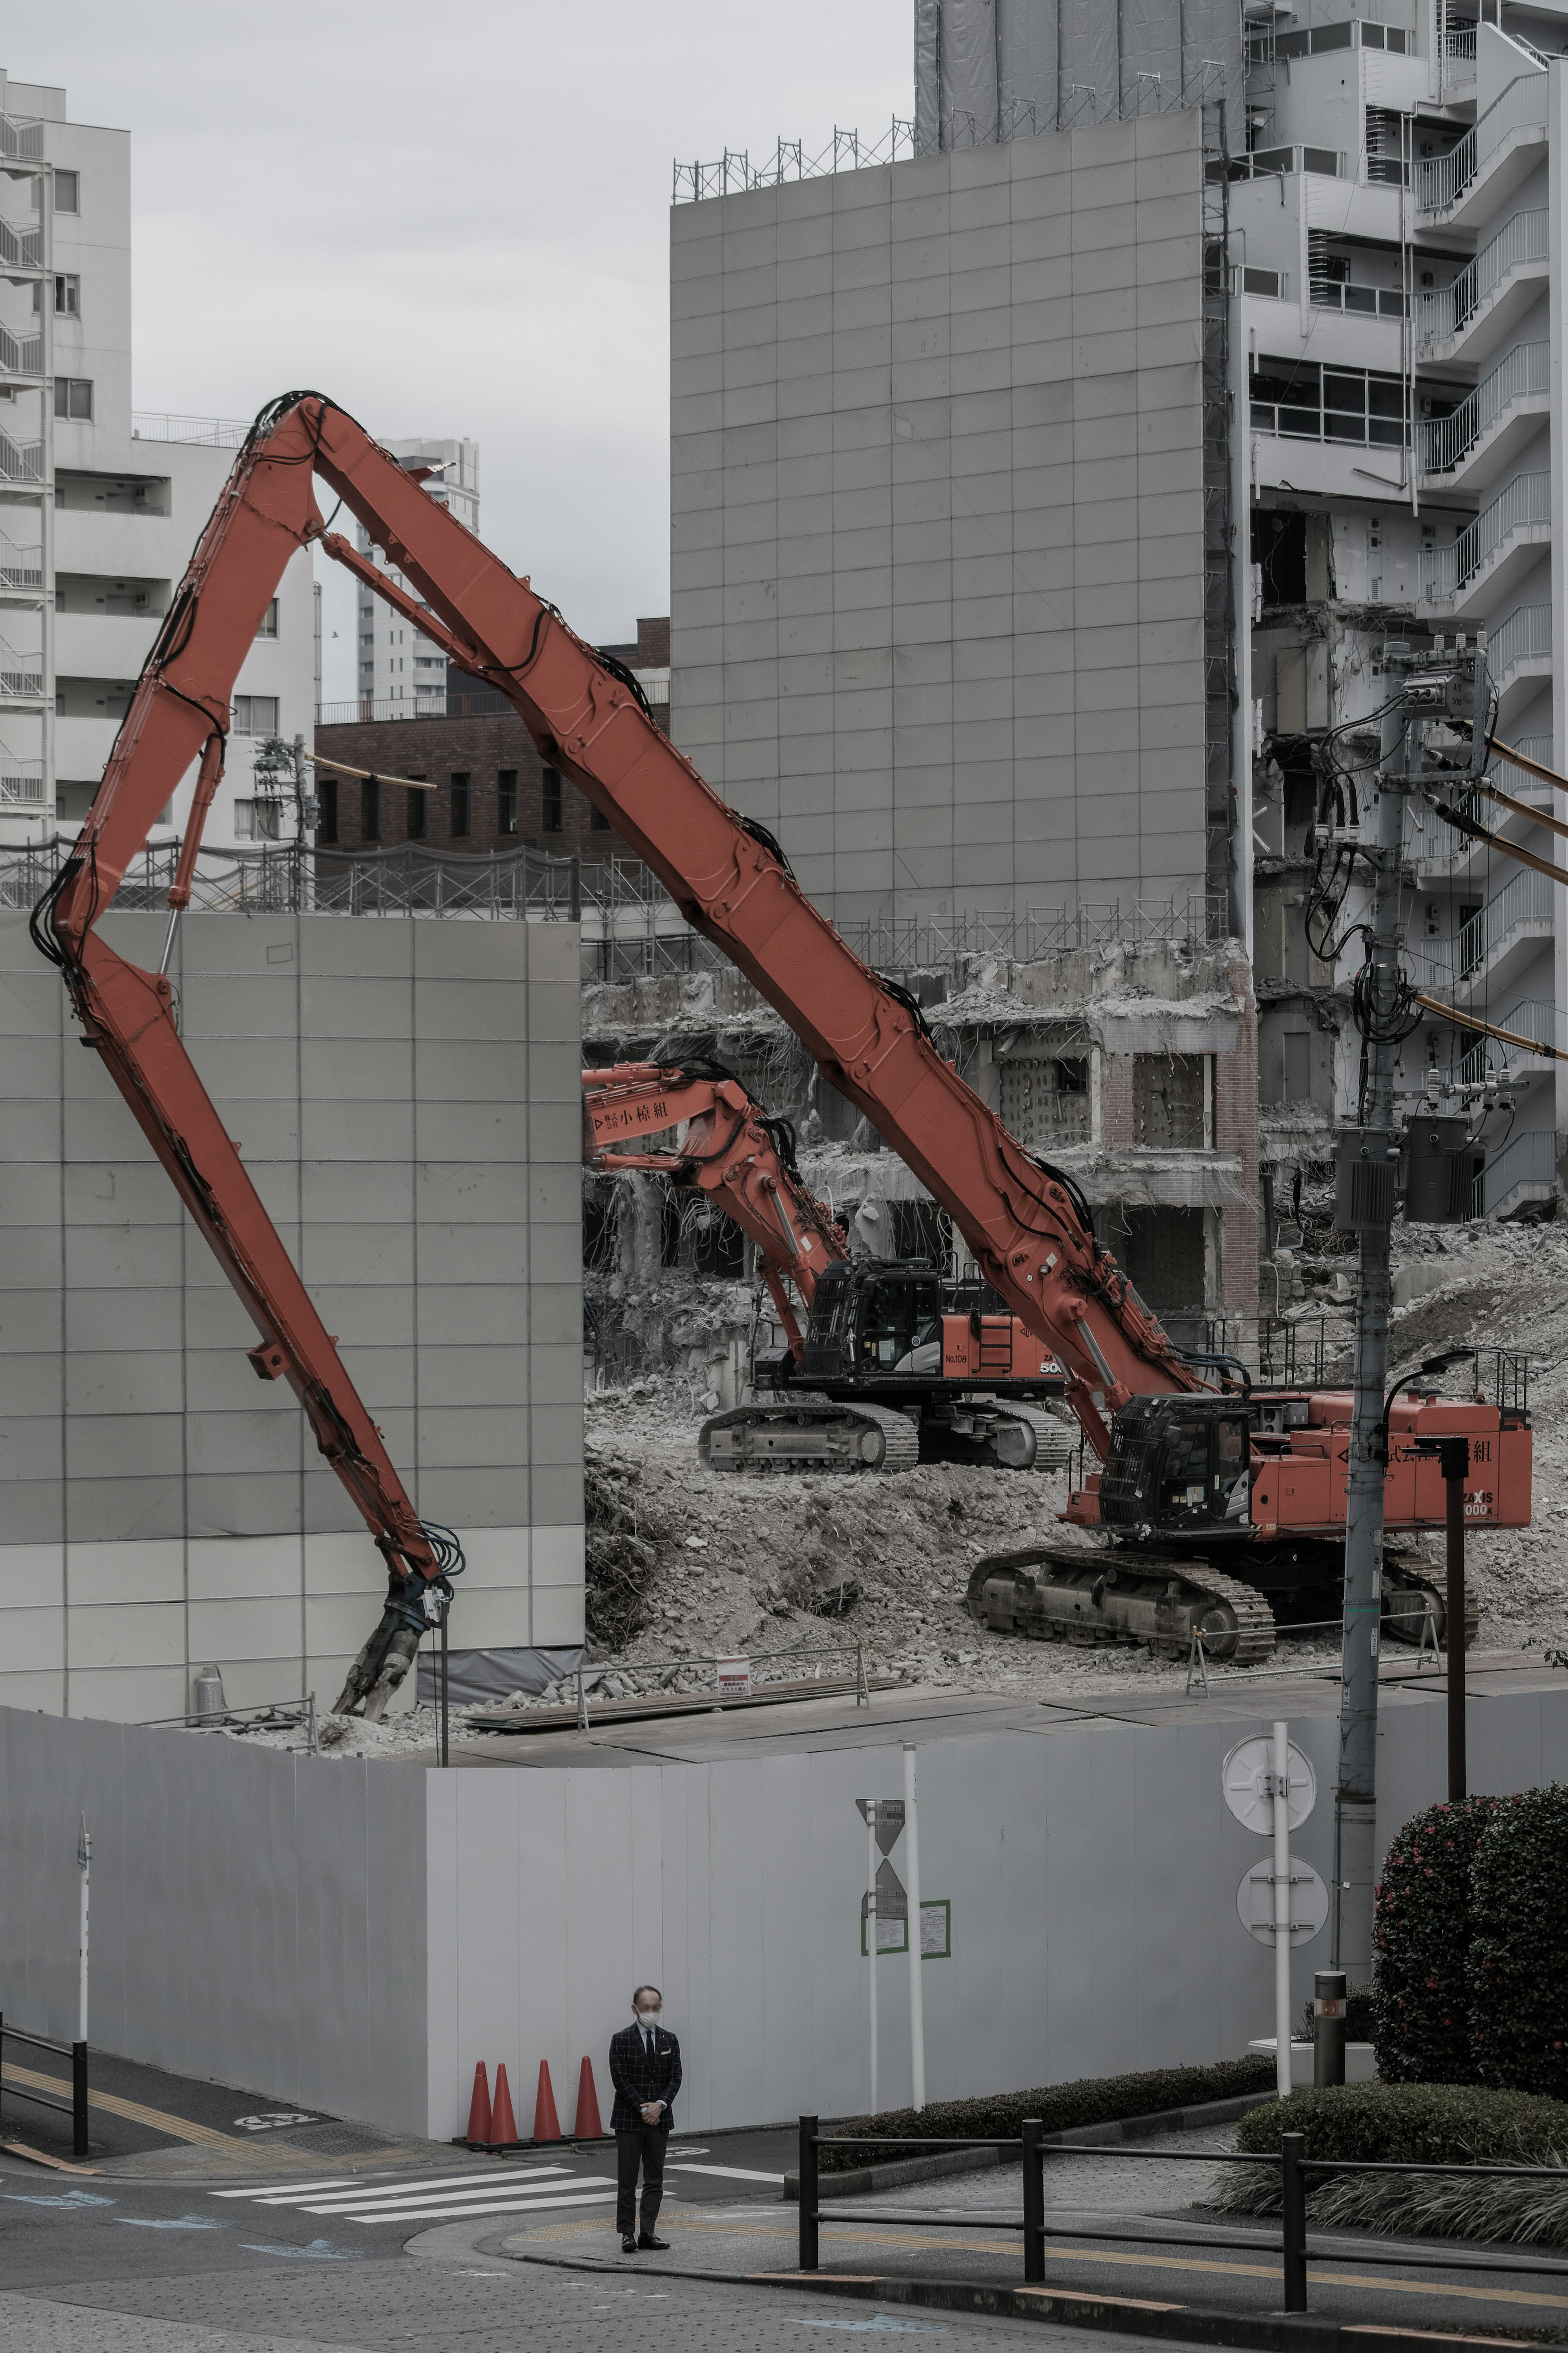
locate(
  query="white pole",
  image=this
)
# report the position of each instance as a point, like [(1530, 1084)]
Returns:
[(871, 1932), (1282, 1910), (912, 1874), (84, 1864)]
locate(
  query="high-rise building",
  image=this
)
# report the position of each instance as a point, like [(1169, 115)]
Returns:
[(1048, 479), (398, 671), (100, 506)]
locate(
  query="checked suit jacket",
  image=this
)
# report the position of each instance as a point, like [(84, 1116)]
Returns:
[(640, 2074)]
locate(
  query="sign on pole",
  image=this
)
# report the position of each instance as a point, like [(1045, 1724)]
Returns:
[(1270, 1788)]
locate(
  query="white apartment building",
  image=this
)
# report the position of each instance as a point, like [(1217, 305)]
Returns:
[(1399, 255), (100, 506), (400, 673)]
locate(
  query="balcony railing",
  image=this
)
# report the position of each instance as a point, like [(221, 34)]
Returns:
[(1357, 301), (1527, 500), (20, 568), (209, 432), (20, 354), (1444, 312), (1530, 1159), (1531, 1017), (1443, 441), (1326, 160), (21, 675), (1524, 636), (21, 781), (1442, 180), (1524, 899), (21, 248), (20, 461)]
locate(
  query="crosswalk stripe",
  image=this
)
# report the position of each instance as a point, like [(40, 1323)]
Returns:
[(416, 2193), (269, 2189), (407, 2186), (730, 2172), (463, 2214)]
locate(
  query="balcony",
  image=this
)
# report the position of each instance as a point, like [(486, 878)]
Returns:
[(21, 679), (1455, 190), (21, 252), (1519, 653), (1356, 301), (1457, 68), (20, 461), (21, 569), (1488, 552), (1525, 1171), (1497, 944), (1489, 429), (21, 358), (21, 781), (1468, 318), (1284, 161)]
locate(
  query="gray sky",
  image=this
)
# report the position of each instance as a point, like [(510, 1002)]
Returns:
[(455, 219)]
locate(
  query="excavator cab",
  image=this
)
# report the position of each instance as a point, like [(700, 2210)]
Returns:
[(1178, 1466), (875, 1321)]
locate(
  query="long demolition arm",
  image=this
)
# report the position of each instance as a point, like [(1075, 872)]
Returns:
[(731, 1153)]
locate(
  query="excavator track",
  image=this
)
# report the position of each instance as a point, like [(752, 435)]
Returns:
[(1408, 1598), (1150, 1599), (1054, 1444), (811, 1433)]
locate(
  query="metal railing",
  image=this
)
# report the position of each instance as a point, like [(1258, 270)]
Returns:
[(17, 680), (20, 354), (904, 944), (1524, 636), (1327, 162), (1035, 2149), (1531, 1017), (443, 702), (1519, 505), (1417, 1623), (22, 138), (21, 782), (734, 173), (1347, 427), (1281, 1352), (20, 568), (1528, 1159), (1440, 314), (20, 461), (1442, 442), (1358, 302), (21, 248), (208, 432), (1442, 180), (76, 2106), (1524, 899), (710, 1696)]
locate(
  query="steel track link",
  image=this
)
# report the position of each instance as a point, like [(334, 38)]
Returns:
[(900, 1437), (1254, 1618)]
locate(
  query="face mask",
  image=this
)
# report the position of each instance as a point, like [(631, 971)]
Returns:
[(647, 2018)]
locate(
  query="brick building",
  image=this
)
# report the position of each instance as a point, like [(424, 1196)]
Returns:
[(488, 788)]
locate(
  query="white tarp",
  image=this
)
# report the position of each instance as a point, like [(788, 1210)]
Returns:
[(988, 70)]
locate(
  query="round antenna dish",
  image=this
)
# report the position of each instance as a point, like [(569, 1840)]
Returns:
[(1309, 1903), (1247, 1777)]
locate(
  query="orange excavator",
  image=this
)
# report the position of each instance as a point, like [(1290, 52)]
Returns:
[(1198, 1467), (894, 1365)]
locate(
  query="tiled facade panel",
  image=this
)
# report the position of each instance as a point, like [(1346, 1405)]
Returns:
[(405, 1095), (938, 520)]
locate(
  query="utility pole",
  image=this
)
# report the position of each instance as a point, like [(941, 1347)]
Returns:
[(1448, 690)]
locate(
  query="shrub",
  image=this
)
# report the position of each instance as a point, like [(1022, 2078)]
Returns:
[(1096, 2100), (1519, 1945), (1421, 1934), (1423, 2124)]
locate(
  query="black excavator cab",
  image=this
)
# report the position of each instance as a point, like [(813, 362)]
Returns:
[(1178, 1467), (870, 1321)]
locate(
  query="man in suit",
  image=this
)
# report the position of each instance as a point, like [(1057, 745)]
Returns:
[(644, 2068)]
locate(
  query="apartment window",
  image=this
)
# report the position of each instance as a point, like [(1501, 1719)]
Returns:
[(326, 808), (459, 807), (506, 800), (68, 192), (256, 715), (554, 820), (270, 620), (369, 809), (416, 817), (1298, 398), (68, 295), (73, 397)]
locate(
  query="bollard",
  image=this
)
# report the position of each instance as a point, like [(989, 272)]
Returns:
[(1034, 2201), (1293, 2147), (79, 2099), (808, 2193), (1329, 2019)]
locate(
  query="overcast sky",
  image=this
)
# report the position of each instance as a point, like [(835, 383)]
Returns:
[(455, 219)]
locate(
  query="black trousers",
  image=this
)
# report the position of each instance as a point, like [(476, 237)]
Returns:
[(643, 2147)]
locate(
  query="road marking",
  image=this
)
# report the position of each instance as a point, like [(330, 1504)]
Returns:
[(177, 2128), (185, 2222), (68, 2198), (445, 2184), (320, 2250), (730, 2172), (462, 2214), (884, 2322), (416, 2194), (277, 2189)]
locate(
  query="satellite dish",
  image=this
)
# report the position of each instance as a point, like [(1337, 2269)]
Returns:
[(1309, 1903), (1247, 1777)]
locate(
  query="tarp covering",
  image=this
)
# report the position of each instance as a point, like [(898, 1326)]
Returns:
[(989, 69)]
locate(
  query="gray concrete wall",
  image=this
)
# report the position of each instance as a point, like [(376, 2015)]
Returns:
[(937, 567), (408, 1097)]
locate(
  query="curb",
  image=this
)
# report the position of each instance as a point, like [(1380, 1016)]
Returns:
[(1180, 2323), (867, 2179)]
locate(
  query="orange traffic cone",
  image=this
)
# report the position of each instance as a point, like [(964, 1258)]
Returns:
[(503, 2125), (545, 2126), (479, 2109), (587, 2126)]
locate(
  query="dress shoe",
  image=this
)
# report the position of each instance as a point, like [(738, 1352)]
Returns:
[(628, 2245), (650, 2245)]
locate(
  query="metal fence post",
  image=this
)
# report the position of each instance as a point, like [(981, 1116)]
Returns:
[(79, 2099), (1293, 2186), (808, 2193), (1033, 2200)]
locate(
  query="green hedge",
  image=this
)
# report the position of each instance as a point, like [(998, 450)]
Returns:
[(1421, 1935), (1519, 1945), (1096, 2100), (1418, 2123)]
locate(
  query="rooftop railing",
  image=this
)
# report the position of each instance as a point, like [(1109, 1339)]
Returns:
[(1444, 312), (1519, 505), (207, 432), (1443, 442), (1442, 180)]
